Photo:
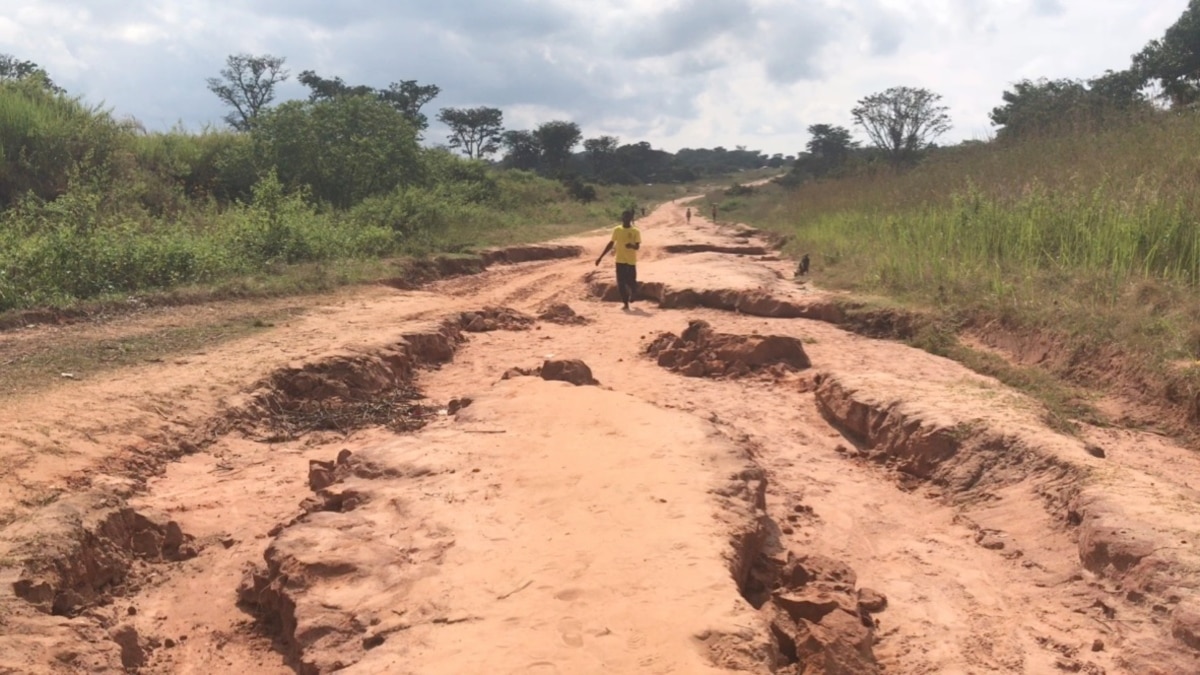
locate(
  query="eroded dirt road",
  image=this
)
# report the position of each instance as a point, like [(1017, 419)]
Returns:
[(762, 492)]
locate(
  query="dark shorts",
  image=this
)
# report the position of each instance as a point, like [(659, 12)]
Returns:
[(626, 274)]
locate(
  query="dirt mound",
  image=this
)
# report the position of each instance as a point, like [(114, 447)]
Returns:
[(495, 318), (568, 370), (755, 302), (562, 314), (714, 248), (701, 352), (86, 556), (563, 370)]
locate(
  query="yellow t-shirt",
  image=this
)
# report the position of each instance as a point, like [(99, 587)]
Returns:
[(626, 235)]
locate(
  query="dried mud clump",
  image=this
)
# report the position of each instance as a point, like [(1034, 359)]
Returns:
[(495, 318), (562, 314), (574, 371), (568, 370), (701, 352), (819, 620)]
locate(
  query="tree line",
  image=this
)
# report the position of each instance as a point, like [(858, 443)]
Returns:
[(556, 148), (903, 123)]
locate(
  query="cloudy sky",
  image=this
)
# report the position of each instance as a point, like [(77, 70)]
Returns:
[(678, 73)]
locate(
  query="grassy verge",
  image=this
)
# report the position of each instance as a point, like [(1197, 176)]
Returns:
[(1093, 239), (31, 366)]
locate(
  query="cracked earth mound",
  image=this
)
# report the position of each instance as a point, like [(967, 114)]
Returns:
[(702, 352)]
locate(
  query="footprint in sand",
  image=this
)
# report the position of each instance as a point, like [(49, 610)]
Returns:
[(572, 631)]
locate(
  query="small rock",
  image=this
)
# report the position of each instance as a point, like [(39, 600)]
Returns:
[(841, 449), (871, 601), (168, 643), (131, 611), (132, 653), (1094, 450), (1097, 645), (1068, 665), (787, 529), (457, 404), (989, 540), (228, 541)]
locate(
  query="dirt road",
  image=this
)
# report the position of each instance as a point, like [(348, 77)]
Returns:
[(739, 485)]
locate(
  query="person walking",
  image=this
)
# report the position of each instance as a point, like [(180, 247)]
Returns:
[(714, 213), (626, 241), (689, 215)]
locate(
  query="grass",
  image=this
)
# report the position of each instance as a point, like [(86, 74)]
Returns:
[(31, 366), (1093, 237)]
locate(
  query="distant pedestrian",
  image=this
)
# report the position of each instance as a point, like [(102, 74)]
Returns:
[(626, 240), (688, 215), (714, 213), (803, 268), (643, 212)]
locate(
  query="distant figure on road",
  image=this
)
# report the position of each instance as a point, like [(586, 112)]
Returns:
[(803, 268), (688, 215), (643, 212), (626, 239), (714, 213)]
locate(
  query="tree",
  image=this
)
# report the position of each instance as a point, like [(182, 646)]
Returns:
[(524, 151), (322, 89), (1056, 106), (557, 139), (828, 148), (601, 153), (408, 97), (476, 130), (1174, 60), (345, 149), (13, 69), (902, 121), (1037, 106), (247, 84)]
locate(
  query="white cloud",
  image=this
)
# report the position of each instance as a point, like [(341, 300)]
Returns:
[(694, 73)]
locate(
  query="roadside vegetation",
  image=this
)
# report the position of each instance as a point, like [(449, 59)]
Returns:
[(1079, 223), (291, 197)]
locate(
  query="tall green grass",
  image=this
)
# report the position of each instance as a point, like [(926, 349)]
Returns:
[(1094, 233)]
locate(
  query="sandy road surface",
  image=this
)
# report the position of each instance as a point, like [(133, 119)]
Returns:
[(746, 521)]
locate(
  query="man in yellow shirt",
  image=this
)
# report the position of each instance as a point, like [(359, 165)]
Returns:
[(626, 239)]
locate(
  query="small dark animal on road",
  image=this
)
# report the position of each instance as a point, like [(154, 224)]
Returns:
[(802, 268)]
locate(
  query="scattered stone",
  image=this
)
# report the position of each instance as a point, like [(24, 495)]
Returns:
[(133, 655), (1185, 623), (495, 318), (562, 314), (568, 370), (457, 404), (841, 449), (131, 611), (989, 539), (1068, 665), (518, 372), (871, 601), (1097, 645), (169, 643), (1094, 450)]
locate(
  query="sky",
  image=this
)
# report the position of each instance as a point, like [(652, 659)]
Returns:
[(676, 73)]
